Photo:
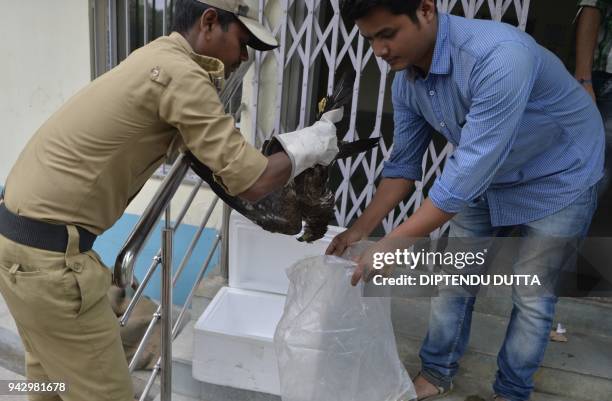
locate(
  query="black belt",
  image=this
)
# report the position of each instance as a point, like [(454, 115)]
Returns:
[(40, 234)]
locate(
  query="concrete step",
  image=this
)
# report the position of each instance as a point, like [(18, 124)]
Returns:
[(140, 379), (206, 291), (469, 384), (11, 351), (579, 368), (11, 347), (577, 314), (178, 397), (480, 390)]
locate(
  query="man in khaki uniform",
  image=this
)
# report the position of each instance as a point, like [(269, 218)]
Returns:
[(78, 173)]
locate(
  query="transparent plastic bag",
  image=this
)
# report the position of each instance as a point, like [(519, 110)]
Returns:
[(332, 344)]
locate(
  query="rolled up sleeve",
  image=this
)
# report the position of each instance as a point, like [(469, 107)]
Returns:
[(191, 104), (502, 83), (411, 136)]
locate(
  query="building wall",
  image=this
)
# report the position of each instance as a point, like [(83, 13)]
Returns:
[(45, 59)]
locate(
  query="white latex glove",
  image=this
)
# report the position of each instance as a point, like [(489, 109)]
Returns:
[(312, 145)]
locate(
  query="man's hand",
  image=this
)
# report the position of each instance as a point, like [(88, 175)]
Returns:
[(422, 222), (312, 145), (389, 193), (316, 144), (365, 263), (343, 240)]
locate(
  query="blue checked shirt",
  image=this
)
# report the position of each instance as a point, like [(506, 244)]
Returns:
[(526, 134)]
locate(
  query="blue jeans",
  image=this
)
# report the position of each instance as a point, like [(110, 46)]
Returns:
[(532, 317), (602, 85)]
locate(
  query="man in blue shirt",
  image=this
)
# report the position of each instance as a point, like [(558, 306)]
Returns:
[(528, 153)]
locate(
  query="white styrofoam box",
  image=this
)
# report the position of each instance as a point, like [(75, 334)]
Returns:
[(233, 340), (258, 259)]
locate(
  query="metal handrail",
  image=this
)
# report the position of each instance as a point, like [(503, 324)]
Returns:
[(124, 264), (157, 259), (189, 251)]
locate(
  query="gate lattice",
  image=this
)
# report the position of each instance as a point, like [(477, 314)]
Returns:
[(304, 42)]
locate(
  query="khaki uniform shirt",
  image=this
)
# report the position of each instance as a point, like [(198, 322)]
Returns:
[(93, 155)]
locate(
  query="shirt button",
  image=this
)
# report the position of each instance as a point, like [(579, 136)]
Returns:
[(442, 124), (432, 93)]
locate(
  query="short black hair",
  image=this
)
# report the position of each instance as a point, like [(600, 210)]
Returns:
[(354, 9), (187, 12)]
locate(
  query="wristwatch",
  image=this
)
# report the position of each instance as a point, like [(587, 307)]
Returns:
[(583, 81)]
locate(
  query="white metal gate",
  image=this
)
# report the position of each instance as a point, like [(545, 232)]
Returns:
[(305, 42)]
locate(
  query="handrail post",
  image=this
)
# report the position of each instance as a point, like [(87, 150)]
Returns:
[(224, 259), (166, 312)]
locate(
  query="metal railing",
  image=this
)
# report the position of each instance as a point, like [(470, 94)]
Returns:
[(126, 259)]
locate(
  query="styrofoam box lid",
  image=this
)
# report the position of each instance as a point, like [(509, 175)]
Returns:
[(258, 259)]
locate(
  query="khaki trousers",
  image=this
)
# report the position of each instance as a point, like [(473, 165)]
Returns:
[(67, 326)]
